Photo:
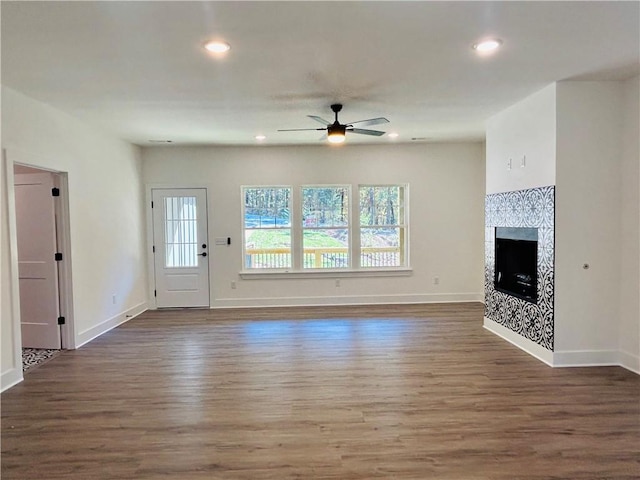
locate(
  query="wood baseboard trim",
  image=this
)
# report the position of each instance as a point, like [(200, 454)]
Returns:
[(347, 300), (567, 359), (597, 358), (585, 358), (87, 335), (10, 378), (532, 348), (629, 361)]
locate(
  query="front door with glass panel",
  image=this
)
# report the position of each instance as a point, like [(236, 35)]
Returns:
[(181, 247)]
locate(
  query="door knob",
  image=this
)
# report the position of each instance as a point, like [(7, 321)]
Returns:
[(203, 254)]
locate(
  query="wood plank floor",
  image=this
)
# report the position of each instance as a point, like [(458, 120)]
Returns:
[(385, 392)]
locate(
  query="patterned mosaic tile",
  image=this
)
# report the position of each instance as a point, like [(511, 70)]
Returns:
[(535, 208), (32, 357)]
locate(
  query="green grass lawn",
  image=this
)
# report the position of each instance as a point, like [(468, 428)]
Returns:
[(280, 238)]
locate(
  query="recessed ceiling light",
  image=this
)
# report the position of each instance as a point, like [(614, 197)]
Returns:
[(393, 135), (217, 46), (261, 137), (488, 45)]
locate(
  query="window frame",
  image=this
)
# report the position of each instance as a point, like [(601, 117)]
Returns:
[(403, 226), (348, 227), (354, 245), (243, 190)]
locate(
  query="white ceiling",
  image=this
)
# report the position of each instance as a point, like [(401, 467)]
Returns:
[(139, 69)]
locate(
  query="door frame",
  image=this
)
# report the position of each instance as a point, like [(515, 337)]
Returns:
[(63, 232), (65, 285), (151, 269)]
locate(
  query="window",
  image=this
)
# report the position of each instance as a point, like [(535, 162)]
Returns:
[(382, 226), (325, 227), (315, 228), (180, 232), (267, 227)]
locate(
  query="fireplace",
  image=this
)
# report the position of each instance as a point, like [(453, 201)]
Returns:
[(529, 216), (516, 257)]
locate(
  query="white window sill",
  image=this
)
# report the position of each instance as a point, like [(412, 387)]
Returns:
[(327, 273)]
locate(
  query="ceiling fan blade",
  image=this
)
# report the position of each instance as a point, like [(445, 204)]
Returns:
[(300, 129), (364, 131), (323, 138), (319, 119), (371, 121)]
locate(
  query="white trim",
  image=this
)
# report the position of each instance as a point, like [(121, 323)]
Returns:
[(629, 361), (519, 341), (586, 358), (151, 268), (65, 286), (11, 377), (572, 358), (10, 197), (347, 300), (333, 273), (86, 336)]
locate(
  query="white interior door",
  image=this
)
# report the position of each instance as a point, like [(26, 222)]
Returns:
[(38, 270), (181, 247)]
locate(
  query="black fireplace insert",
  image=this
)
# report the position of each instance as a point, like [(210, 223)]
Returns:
[(516, 268)]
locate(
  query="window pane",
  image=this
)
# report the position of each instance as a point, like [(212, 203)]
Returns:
[(382, 226), (268, 248), (381, 247), (325, 248), (381, 205), (267, 207), (181, 232), (267, 224), (325, 207)]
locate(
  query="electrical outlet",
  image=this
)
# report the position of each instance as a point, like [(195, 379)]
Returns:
[(233, 284), (436, 280), (337, 282)]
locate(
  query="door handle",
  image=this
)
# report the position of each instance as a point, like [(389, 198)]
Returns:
[(203, 254)]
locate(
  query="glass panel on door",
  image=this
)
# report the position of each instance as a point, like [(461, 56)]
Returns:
[(181, 232)]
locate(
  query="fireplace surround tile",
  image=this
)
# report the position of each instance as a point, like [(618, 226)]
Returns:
[(534, 207)]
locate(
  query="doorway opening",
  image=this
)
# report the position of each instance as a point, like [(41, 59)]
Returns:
[(41, 208)]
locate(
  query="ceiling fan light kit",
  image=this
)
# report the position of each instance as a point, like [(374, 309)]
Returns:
[(336, 131)]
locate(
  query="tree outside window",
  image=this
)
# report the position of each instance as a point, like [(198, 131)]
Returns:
[(267, 227), (325, 226), (382, 226)]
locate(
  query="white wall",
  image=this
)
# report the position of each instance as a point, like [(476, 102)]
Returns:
[(526, 129), (586, 138), (588, 221), (446, 215), (629, 334), (106, 200)]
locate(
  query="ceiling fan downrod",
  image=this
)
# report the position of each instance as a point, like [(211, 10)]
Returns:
[(336, 107)]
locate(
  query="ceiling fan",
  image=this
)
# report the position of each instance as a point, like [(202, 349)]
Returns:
[(336, 131)]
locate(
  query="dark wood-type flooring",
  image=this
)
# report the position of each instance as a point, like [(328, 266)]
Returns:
[(384, 392)]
